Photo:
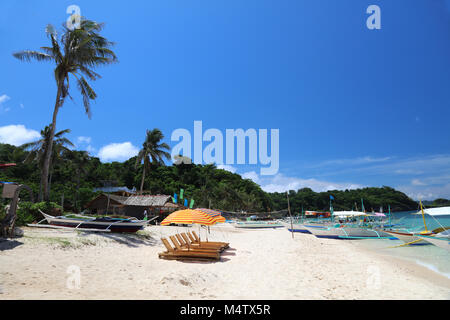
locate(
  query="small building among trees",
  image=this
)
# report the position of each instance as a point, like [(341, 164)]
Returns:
[(133, 205)]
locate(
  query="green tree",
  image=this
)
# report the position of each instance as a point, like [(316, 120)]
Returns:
[(152, 152), (39, 148), (80, 161), (76, 53)]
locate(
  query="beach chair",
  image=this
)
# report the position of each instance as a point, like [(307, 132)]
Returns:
[(195, 239), (178, 247), (172, 254), (185, 242)]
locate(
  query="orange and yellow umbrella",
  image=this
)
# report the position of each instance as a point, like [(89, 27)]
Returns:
[(213, 213), (190, 216)]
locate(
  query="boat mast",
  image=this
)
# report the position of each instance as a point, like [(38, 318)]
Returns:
[(389, 206), (289, 209), (423, 216)]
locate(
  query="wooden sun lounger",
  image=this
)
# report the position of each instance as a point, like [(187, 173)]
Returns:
[(172, 254), (178, 247), (186, 243), (196, 239)]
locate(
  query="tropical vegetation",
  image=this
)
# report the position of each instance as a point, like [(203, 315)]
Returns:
[(76, 174)]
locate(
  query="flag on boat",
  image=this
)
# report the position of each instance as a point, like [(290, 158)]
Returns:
[(191, 204), (175, 199), (185, 202), (181, 193)]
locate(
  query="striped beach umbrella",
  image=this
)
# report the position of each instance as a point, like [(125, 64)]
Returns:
[(213, 213), (190, 216)]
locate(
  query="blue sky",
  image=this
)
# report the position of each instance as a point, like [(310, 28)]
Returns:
[(354, 107)]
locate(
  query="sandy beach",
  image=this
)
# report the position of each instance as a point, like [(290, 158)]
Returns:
[(261, 264)]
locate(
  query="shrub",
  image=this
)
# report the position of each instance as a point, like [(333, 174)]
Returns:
[(28, 212)]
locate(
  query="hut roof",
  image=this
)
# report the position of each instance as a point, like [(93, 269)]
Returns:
[(140, 201), (147, 200)]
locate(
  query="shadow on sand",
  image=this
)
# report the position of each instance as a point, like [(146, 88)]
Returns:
[(130, 240), (9, 244)]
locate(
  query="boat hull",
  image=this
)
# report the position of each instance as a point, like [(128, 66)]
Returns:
[(441, 242), (113, 226), (407, 237), (350, 233), (245, 225)]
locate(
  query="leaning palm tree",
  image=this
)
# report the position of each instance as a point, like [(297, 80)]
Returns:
[(76, 53), (152, 152), (39, 148)]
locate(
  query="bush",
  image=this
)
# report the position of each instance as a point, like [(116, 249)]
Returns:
[(28, 212)]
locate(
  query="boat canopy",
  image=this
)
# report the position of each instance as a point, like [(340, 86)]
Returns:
[(348, 213), (442, 211)]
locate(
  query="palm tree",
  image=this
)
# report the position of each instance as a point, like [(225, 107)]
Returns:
[(76, 53), (152, 152), (38, 149)]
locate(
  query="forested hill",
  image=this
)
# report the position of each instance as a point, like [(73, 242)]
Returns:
[(206, 184)]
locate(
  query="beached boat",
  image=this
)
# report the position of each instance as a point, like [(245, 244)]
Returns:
[(348, 232), (410, 236), (98, 223), (302, 228), (258, 224)]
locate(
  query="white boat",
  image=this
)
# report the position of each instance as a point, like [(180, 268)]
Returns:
[(442, 242), (408, 236), (258, 224), (98, 223), (348, 232)]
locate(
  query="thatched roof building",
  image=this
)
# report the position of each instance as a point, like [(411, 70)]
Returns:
[(133, 206)]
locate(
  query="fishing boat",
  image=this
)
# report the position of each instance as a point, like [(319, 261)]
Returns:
[(302, 228), (410, 236), (339, 231), (97, 223), (258, 224)]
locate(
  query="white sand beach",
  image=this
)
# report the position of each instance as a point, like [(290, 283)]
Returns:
[(261, 264)]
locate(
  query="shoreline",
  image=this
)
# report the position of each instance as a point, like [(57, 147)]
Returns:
[(262, 264)]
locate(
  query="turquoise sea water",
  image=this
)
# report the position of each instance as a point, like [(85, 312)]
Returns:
[(429, 256)]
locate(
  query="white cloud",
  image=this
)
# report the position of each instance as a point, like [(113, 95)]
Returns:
[(417, 182), (252, 175), (117, 152), (86, 140), (226, 167), (4, 98), (282, 183), (17, 134), (426, 192)]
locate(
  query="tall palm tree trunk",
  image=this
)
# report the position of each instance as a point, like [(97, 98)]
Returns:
[(48, 154), (143, 178)]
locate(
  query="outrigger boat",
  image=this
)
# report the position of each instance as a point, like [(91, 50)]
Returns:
[(348, 232), (107, 224), (258, 224), (409, 236)]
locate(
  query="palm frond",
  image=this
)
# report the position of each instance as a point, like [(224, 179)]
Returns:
[(88, 94), (28, 55)]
